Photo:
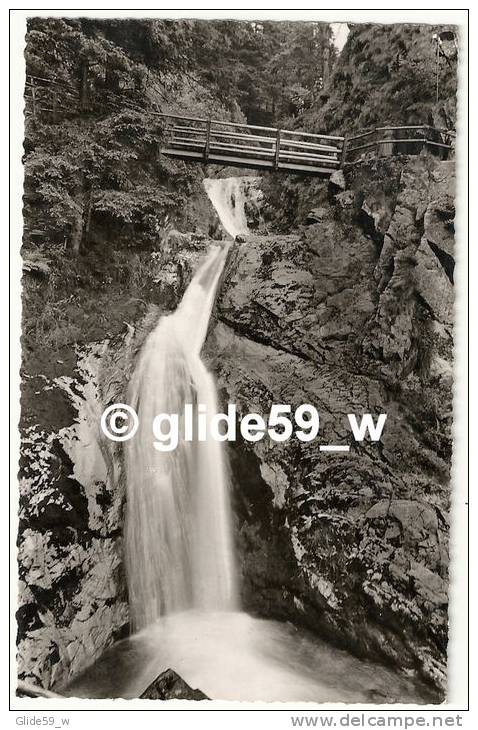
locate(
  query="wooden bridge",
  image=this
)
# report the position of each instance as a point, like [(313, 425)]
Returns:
[(247, 145), (267, 148), (219, 142)]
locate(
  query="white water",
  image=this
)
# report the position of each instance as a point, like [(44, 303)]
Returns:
[(178, 537), (228, 197), (232, 656)]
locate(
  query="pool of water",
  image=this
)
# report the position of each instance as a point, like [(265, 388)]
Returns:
[(233, 656)]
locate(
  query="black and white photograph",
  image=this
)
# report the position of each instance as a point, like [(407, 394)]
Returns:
[(238, 321)]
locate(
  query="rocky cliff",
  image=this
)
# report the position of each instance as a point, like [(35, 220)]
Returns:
[(351, 313)]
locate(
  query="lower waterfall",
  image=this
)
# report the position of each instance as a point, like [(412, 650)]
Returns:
[(178, 533)]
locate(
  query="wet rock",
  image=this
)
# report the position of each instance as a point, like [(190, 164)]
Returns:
[(170, 686), (177, 257), (72, 591), (433, 283)]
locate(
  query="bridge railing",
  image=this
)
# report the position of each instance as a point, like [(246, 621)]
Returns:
[(406, 140), (210, 139)]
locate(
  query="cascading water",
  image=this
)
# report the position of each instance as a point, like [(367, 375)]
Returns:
[(228, 198), (180, 562), (178, 534), (179, 552)]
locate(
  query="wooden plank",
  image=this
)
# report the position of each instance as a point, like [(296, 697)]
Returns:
[(308, 153), (187, 141), (319, 148), (237, 148), (363, 134), (236, 135), (311, 158), (309, 145), (251, 162), (196, 130), (198, 144), (246, 137), (242, 146), (308, 169), (208, 141), (309, 134), (416, 140), (394, 129), (218, 158), (277, 150), (438, 144), (245, 126), (344, 152), (231, 135), (258, 150)]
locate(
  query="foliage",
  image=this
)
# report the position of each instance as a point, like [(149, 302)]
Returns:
[(262, 65), (92, 165), (93, 170), (386, 74)]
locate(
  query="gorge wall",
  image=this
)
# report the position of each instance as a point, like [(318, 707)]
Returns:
[(351, 313)]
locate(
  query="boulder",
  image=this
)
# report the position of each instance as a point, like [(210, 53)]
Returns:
[(170, 686), (337, 181)]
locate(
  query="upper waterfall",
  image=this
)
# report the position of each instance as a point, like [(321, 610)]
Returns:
[(228, 198)]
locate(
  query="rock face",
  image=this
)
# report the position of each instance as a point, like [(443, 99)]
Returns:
[(72, 592), (352, 314)]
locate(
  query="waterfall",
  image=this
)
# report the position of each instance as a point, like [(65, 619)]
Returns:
[(179, 548), (228, 197), (179, 553)]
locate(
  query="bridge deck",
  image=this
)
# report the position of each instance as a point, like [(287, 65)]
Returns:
[(228, 143), (252, 162)]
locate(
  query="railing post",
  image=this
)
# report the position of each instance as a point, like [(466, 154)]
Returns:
[(208, 140), (424, 131), (276, 157), (344, 152)]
